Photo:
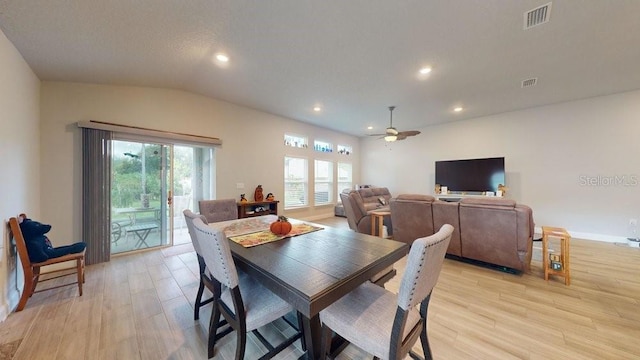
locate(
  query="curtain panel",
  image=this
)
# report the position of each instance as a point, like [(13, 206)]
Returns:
[(96, 194)]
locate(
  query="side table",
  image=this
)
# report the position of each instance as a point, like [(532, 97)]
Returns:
[(560, 264), (377, 221)]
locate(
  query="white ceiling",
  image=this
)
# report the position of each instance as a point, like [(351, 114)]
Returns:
[(354, 57)]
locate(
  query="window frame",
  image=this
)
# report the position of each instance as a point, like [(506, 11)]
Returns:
[(304, 181), (328, 180)]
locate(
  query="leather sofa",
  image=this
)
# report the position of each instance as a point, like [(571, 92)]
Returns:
[(492, 230), (361, 203)]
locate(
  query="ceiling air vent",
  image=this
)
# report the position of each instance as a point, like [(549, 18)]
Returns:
[(529, 82), (537, 16)]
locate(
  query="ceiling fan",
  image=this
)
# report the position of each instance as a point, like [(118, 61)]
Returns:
[(392, 134)]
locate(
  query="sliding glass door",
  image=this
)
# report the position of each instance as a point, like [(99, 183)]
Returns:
[(192, 180), (138, 195), (152, 183)]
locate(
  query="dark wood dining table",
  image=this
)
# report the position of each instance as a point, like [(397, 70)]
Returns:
[(313, 270)]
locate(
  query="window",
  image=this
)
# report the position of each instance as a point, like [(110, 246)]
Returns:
[(345, 149), (345, 176), (322, 146), (295, 182), (323, 185), (295, 141)]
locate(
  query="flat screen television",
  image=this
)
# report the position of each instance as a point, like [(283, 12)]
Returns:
[(471, 175)]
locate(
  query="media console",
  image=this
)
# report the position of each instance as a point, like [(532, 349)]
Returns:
[(458, 197)]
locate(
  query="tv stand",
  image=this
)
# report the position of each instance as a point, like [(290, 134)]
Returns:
[(458, 197)]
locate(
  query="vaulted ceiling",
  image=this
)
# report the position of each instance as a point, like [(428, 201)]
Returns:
[(352, 59)]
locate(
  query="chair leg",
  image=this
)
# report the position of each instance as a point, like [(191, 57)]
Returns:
[(36, 277), (213, 327), (424, 340), (303, 341), (241, 344), (198, 304), (27, 291), (325, 345), (80, 275)]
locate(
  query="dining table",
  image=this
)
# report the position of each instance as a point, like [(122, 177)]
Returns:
[(312, 270)]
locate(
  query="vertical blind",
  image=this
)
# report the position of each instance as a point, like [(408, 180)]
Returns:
[(96, 194)]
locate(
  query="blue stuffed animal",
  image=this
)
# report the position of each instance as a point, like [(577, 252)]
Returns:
[(38, 245)]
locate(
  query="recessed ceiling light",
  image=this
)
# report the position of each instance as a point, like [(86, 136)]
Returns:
[(457, 109), (425, 70), (317, 108), (369, 127), (222, 58)]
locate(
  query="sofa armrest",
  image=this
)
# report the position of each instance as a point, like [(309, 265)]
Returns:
[(526, 227)]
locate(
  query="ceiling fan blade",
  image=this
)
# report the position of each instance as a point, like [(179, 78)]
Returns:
[(409, 133), (376, 134), (404, 134)]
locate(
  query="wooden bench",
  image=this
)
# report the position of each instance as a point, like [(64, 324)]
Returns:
[(32, 270)]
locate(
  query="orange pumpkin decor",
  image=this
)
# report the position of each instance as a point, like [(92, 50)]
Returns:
[(281, 227)]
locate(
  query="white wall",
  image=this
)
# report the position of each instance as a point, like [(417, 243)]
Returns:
[(252, 152), (547, 150), (20, 155)]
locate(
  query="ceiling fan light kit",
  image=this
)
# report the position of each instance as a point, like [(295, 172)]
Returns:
[(391, 133)]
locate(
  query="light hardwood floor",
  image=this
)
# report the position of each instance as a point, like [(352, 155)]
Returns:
[(140, 306)]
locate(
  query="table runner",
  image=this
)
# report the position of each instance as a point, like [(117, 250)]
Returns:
[(266, 236)]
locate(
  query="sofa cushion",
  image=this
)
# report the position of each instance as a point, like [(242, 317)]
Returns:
[(491, 201), (416, 197)]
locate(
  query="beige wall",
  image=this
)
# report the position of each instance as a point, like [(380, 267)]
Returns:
[(20, 155), (252, 152), (547, 150)]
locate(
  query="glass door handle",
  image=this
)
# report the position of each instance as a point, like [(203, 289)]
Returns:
[(169, 198)]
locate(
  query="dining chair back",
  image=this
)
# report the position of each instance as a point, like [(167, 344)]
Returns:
[(205, 278), (257, 308), (218, 210), (31, 270), (382, 323)]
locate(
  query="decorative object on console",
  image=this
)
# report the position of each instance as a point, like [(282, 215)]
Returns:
[(257, 195), (437, 189), (392, 134), (243, 199), (503, 189), (270, 197)]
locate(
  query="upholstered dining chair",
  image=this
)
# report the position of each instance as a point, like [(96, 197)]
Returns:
[(205, 276), (243, 302), (215, 211), (384, 324), (218, 210)]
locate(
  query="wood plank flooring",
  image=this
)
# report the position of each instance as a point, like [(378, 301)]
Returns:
[(140, 306)]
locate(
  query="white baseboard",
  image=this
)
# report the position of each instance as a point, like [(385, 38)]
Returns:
[(591, 236), (318, 217)]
